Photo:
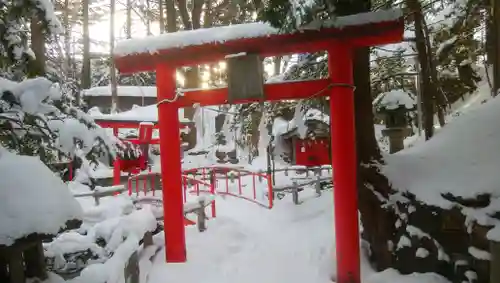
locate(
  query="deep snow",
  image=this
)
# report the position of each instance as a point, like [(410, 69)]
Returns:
[(247, 243)]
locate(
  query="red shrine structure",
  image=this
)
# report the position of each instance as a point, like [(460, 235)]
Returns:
[(310, 149), (250, 42)]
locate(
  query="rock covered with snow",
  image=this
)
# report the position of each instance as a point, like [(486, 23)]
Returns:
[(459, 163), (462, 159), (394, 99), (32, 199)]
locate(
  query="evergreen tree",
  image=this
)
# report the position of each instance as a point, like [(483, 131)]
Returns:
[(17, 15), (37, 118)]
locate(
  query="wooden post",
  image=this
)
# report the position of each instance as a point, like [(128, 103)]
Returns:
[(157, 184), (213, 190), (96, 198), (16, 268), (131, 271), (240, 191), (295, 193), (4, 273), (317, 186), (494, 262), (201, 216), (35, 261), (148, 239)]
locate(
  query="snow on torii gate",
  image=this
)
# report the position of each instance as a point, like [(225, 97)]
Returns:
[(167, 52)]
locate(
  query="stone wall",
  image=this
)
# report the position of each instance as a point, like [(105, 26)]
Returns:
[(431, 239)]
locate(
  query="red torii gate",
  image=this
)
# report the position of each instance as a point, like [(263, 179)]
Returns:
[(170, 51)]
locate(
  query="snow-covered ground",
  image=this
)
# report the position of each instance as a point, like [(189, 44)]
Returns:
[(247, 243), (461, 159), (244, 243), (465, 149)]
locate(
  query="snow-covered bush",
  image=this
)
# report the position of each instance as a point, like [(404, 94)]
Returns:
[(35, 120), (15, 53)]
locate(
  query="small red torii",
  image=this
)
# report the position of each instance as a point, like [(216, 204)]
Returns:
[(167, 52)]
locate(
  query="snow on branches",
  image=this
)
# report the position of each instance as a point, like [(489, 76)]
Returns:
[(17, 16), (35, 119)]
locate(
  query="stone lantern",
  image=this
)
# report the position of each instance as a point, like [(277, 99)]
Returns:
[(393, 108)]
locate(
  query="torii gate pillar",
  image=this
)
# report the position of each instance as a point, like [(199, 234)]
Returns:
[(344, 163), (171, 168)]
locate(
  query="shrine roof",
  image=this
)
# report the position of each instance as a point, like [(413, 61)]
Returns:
[(212, 44)]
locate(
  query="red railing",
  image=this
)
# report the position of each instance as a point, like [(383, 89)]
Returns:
[(148, 184), (228, 176), (224, 181)]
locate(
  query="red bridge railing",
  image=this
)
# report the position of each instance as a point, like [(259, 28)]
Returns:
[(223, 181), (236, 182)]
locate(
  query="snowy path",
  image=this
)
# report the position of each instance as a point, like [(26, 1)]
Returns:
[(249, 244)]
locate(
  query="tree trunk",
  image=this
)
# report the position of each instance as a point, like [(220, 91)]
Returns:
[(148, 17), (377, 222), (86, 79), (37, 66), (171, 16), (495, 38), (427, 93), (112, 70), (277, 65), (67, 38), (161, 3), (129, 19), (191, 75), (441, 103), (490, 30)]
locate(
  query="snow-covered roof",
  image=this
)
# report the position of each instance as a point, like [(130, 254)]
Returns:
[(281, 126), (32, 199), (394, 99), (154, 44), (139, 91), (137, 113), (462, 159), (313, 114)]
